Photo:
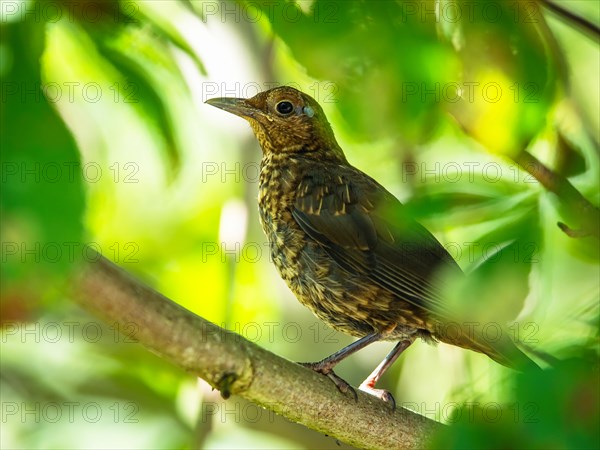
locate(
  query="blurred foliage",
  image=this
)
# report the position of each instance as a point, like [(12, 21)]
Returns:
[(42, 194), (355, 44), (106, 144), (511, 60), (531, 421)]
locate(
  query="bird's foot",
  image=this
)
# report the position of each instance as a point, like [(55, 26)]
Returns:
[(382, 394), (342, 385)]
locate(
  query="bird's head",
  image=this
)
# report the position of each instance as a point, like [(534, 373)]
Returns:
[(285, 120)]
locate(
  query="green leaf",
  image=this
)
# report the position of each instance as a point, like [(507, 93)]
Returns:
[(384, 59), (42, 195)]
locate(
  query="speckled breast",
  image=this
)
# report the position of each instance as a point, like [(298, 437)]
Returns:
[(343, 300)]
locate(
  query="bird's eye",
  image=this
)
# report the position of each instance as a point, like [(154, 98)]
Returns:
[(284, 107)]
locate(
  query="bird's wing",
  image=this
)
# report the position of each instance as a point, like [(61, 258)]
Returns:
[(366, 230)]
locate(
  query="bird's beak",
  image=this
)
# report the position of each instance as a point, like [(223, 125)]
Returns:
[(237, 106)]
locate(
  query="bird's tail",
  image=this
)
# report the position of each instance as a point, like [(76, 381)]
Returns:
[(498, 346), (505, 352)]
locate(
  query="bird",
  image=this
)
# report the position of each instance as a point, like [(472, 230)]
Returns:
[(346, 247)]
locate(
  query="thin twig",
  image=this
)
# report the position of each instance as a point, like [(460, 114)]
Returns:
[(237, 366), (571, 198), (580, 23)]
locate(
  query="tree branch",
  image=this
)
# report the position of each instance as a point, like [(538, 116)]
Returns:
[(235, 365), (578, 205)]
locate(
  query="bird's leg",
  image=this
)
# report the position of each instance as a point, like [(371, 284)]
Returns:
[(368, 385), (325, 366)]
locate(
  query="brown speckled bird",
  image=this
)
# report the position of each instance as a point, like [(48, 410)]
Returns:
[(344, 245)]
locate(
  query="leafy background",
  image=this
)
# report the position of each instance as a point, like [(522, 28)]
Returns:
[(107, 144)]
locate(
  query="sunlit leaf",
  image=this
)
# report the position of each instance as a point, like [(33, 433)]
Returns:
[(508, 82)]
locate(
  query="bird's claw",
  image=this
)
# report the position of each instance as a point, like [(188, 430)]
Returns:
[(342, 385), (381, 394)]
